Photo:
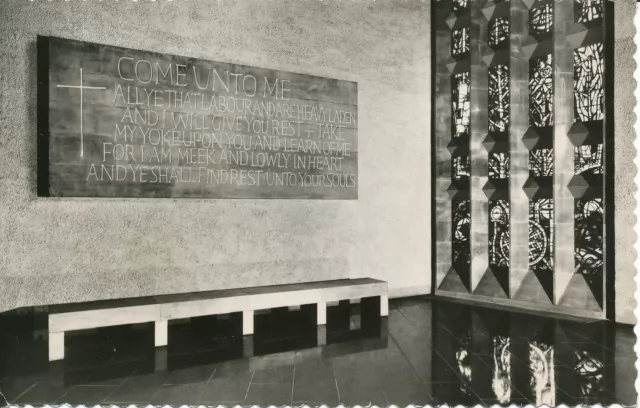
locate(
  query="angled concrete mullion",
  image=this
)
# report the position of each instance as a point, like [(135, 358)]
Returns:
[(442, 122), (478, 154), (564, 259), (519, 122)]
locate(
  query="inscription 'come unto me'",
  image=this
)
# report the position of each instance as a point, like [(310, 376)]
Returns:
[(151, 125)]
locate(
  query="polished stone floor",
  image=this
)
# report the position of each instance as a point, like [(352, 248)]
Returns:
[(425, 352)]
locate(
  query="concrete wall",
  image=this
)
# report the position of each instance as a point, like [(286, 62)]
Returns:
[(625, 154), (63, 250)]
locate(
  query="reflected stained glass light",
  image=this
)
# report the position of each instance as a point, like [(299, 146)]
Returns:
[(501, 383), (541, 19), (499, 165), (463, 359), (588, 10), (460, 41), (588, 242), (541, 234), (460, 6), (498, 98), (541, 162), (542, 381), (461, 167), (498, 31), (499, 233), (461, 104), (588, 159), (461, 248), (541, 91), (590, 373), (588, 82)]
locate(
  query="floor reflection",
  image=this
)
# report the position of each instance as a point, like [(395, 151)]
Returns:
[(500, 357), (463, 360), (543, 384), (501, 384), (425, 352), (590, 372)]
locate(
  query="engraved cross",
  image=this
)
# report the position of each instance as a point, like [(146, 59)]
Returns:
[(82, 88)]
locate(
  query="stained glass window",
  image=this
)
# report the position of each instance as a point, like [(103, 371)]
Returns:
[(502, 39), (461, 167), (498, 98), (541, 20), (541, 162), (588, 238), (498, 31), (541, 91), (499, 233), (460, 6), (461, 103), (498, 165), (541, 234), (588, 82), (587, 10), (588, 159), (460, 41), (461, 248)]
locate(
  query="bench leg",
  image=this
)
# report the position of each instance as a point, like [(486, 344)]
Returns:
[(322, 313), (384, 305), (56, 346), (161, 333), (247, 322)]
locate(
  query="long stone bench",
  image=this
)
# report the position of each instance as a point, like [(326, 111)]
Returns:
[(161, 309)]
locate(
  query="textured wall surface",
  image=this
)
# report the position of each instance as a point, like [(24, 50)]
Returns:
[(64, 250), (625, 152)]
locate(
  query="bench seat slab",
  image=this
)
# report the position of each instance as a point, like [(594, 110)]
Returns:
[(162, 309)]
